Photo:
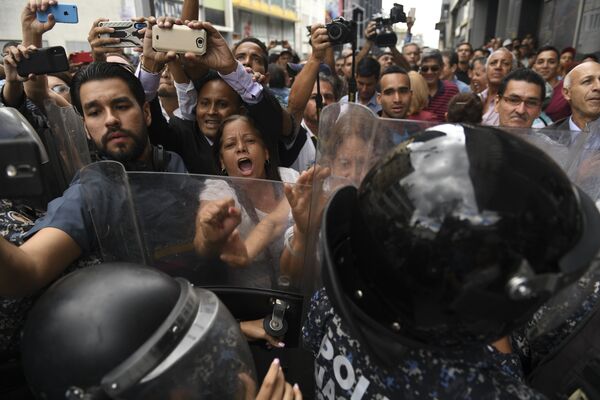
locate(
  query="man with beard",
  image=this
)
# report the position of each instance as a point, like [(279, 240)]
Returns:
[(116, 118), (395, 93)]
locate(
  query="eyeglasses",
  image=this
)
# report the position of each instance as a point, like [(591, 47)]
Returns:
[(60, 89), (432, 68), (516, 101)]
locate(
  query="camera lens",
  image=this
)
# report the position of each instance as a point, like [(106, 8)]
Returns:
[(335, 32)]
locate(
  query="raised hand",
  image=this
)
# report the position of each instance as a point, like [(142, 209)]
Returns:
[(300, 196), (218, 55), (31, 27), (319, 40), (14, 54), (155, 61), (98, 44), (215, 223)]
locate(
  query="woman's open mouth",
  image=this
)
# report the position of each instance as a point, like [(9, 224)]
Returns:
[(245, 166)]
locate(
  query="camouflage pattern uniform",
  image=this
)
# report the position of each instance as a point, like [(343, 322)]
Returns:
[(344, 371)]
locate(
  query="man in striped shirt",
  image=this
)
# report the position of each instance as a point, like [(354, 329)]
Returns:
[(440, 91)]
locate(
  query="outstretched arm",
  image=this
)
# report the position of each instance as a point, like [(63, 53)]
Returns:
[(36, 263)]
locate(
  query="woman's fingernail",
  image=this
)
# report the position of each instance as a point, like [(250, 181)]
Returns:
[(276, 361), (296, 387), (281, 344)]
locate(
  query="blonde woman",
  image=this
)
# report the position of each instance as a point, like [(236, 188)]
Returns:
[(419, 99)]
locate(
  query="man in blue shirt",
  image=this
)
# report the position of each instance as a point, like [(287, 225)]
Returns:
[(367, 75), (116, 118)]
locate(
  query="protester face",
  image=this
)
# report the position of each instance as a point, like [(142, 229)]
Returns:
[(430, 70), (251, 55), (412, 53), (464, 53), (310, 111), (350, 160), (478, 78), (546, 64), (339, 67), (348, 66), (565, 59), (166, 87), (478, 53), (385, 61), (584, 93), (520, 105), (447, 70), (114, 120), (243, 152), (284, 59), (367, 86), (395, 95), (498, 66), (59, 87), (216, 101)]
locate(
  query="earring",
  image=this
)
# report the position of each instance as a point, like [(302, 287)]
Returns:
[(267, 162), (223, 171)]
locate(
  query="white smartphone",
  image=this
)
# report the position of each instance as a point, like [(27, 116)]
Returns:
[(180, 39)]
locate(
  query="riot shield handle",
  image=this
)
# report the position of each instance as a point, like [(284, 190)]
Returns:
[(275, 324)]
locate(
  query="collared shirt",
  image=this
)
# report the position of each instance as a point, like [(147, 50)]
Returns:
[(372, 104), (490, 117), (241, 81), (438, 103), (462, 87), (573, 126)]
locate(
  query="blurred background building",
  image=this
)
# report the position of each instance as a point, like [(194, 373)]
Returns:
[(561, 23)]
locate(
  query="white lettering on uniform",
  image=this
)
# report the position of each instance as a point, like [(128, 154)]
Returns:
[(361, 388), (326, 348), (347, 382), (319, 374), (329, 390)]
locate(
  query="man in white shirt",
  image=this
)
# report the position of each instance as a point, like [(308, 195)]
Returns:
[(582, 90)]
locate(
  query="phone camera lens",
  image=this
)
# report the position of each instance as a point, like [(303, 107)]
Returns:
[(199, 42)]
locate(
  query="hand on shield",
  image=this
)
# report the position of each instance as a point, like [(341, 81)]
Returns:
[(216, 224)]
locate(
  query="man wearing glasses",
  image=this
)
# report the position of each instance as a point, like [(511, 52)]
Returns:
[(519, 98), (440, 91)]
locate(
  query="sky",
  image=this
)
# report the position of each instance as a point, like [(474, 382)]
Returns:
[(427, 14)]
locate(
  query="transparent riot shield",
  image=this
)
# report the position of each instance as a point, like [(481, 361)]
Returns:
[(238, 237), (68, 135), (351, 140)]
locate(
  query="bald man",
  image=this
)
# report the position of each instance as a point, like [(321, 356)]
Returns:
[(581, 89)]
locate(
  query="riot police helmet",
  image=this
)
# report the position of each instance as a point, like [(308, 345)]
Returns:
[(454, 238), (129, 332)]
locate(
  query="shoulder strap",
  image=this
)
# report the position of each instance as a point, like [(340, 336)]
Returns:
[(573, 369)]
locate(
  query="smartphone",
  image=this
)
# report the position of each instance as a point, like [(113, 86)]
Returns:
[(127, 31), (180, 39), (43, 61), (65, 13)]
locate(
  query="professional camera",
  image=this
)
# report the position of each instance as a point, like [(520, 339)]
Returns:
[(385, 36), (340, 31)]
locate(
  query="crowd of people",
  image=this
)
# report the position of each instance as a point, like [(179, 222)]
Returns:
[(248, 119)]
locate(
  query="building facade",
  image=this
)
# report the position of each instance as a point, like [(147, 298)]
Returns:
[(561, 23)]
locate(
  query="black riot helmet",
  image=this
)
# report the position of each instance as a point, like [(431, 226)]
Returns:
[(129, 332), (454, 238), (37, 166)]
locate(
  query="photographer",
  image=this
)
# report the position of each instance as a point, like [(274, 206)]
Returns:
[(370, 35)]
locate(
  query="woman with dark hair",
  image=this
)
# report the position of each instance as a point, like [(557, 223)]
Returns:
[(242, 221)]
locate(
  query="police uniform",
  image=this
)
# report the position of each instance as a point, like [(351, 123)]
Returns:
[(344, 371)]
